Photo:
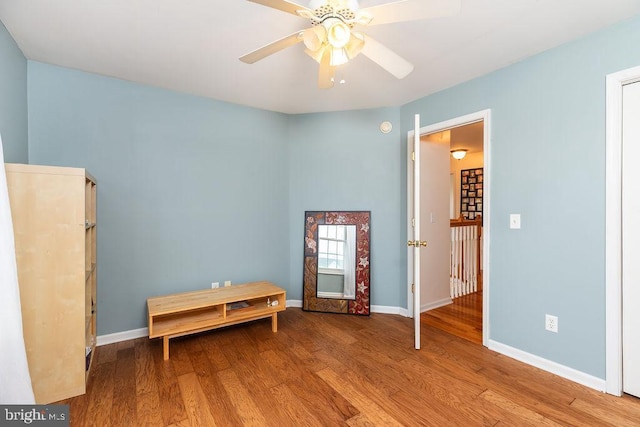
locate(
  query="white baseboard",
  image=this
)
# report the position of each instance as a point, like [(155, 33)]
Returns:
[(294, 303), (435, 304), (122, 336), (549, 366), (385, 309)]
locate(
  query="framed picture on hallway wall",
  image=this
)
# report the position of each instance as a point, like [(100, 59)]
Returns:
[(471, 182)]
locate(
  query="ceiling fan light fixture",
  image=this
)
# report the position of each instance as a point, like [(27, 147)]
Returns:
[(338, 33), (355, 45), (314, 37), (338, 56), (316, 54), (331, 42)]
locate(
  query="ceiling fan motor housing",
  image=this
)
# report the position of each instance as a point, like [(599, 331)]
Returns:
[(326, 11)]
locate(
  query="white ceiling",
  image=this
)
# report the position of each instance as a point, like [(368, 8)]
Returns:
[(467, 137), (193, 46)]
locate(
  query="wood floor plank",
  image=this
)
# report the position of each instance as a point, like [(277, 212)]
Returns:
[(297, 414), (171, 402), (335, 333), (213, 348), (145, 373), (525, 415), (303, 357), (101, 397), (195, 402), (246, 408), (462, 318), (78, 407), (106, 353), (220, 405), (124, 386), (332, 409), (179, 356), (358, 399), (612, 416), (148, 410), (247, 360), (361, 420)]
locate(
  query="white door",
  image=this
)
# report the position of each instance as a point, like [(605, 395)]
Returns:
[(414, 235), (630, 239)]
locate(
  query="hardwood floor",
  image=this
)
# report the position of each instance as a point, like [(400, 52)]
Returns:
[(332, 370), (463, 318)]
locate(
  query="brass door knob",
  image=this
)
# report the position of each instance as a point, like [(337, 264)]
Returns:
[(417, 243)]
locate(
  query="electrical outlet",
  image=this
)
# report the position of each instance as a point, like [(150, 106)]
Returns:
[(227, 283), (215, 285), (551, 323), (514, 221)]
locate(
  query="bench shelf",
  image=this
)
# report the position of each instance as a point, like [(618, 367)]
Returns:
[(176, 315)]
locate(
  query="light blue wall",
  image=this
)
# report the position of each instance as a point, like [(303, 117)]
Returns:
[(548, 164), (341, 161), (13, 99), (190, 190)]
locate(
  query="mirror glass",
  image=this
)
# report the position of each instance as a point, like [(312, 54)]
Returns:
[(336, 262)]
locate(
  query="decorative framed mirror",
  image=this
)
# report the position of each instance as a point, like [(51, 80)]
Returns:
[(337, 268)]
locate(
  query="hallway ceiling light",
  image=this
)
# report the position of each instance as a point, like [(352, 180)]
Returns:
[(458, 154)]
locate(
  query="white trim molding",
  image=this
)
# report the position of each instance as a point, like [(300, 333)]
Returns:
[(435, 304), (549, 366), (294, 303), (613, 226), (122, 336), (385, 309)]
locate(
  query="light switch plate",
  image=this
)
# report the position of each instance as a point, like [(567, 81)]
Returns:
[(514, 221)]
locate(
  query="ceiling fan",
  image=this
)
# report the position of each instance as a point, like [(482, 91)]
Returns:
[(332, 41)]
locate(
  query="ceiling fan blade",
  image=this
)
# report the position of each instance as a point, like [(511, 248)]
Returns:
[(386, 58), (410, 10), (283, 5), (272, 48), (326, 73)]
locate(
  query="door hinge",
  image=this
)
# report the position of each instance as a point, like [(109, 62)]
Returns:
[(413, 156), (413, 288), (413, 222)]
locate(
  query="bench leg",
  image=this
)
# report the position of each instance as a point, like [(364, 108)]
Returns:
[(165, 347), (274, 322)]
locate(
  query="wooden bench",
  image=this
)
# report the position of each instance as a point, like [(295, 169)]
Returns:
[(176, 315)]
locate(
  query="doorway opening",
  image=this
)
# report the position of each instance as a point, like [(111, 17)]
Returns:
[(454, 196)]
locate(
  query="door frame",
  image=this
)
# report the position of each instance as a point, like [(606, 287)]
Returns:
[(484, 116), (613, 226)]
